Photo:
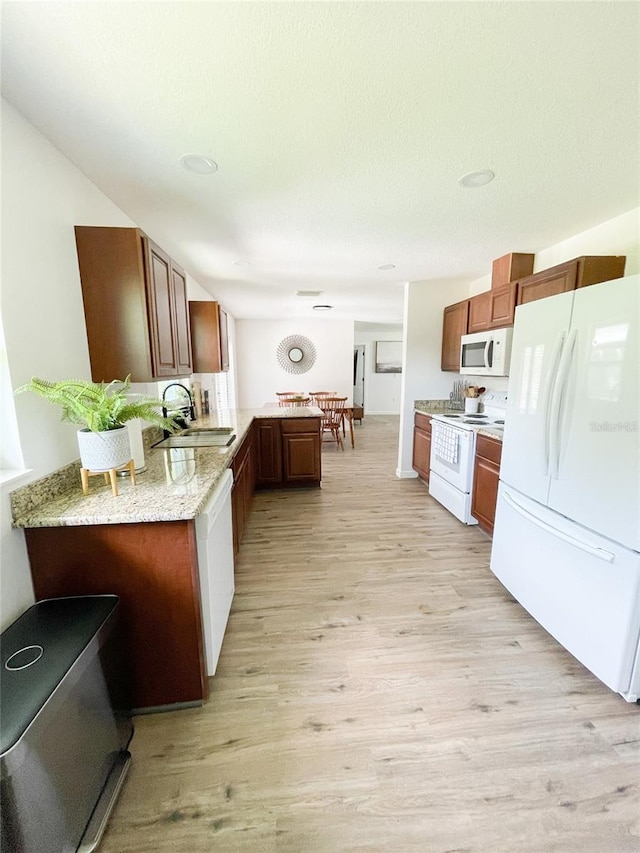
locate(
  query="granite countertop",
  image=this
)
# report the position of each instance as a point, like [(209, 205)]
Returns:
[(492, 433), (439, 407), (175, 486)]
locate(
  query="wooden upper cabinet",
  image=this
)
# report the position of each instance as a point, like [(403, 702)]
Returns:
[(135, 306), (503, 306), (183, 330), (454, 326), (510, 268), (479, 312), (580, 272), (550, 282), (209, 337)]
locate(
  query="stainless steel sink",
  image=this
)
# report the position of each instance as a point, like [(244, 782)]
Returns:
[(194, 437), (208, 431)]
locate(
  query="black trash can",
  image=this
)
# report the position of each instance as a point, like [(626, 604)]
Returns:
[(64, 726)]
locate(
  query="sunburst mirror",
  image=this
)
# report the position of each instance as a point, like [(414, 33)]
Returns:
[(296, 354)]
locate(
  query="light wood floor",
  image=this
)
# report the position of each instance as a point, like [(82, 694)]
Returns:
[(378, 690)]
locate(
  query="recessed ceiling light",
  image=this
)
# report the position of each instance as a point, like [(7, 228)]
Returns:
[(387, 267), (242, 263), (322, 307), (476, 179), (199, 164)]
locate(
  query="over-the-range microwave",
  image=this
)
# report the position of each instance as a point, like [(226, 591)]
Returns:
[(486, 353)]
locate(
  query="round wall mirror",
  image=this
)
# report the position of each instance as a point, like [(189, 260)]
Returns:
[(296, 354)]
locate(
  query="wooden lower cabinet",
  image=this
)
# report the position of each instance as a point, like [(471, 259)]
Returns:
[(288, 452), (242, 467), (268, 443), (486, 475), (422, 445), (153, 568)]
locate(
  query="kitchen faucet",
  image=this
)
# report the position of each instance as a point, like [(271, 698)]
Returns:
[(191, 407)]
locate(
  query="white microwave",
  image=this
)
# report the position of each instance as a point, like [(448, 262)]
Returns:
[(486, 353)]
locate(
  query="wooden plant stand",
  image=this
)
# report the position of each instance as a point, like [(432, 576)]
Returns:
[(109, 475)]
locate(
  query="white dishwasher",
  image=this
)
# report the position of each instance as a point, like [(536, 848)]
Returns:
[(214, 532)]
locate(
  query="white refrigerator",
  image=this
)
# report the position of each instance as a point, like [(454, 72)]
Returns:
[(567, 533)]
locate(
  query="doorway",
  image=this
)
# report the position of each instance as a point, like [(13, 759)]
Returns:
[(358, 375)]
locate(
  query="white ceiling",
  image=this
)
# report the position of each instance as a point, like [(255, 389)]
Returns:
[(340, 130)]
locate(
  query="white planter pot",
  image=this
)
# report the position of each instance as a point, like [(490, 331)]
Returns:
[(100, 451)]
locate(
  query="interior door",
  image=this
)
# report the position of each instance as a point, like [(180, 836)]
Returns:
[(539, 331), (598, 470), (358, 375)]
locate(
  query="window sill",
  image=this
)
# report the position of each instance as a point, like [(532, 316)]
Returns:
[(14, 476)]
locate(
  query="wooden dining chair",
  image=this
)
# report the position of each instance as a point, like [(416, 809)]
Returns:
[(290, 398), (317, 395), (332, 416)]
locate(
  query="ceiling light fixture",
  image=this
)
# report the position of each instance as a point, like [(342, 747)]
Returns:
[(308, 292), (387, 267), (242, 263), (199, 164), (476, 179), (322, 307)]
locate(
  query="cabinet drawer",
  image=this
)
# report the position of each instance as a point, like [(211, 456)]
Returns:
[(300, 425), (422, 422), (489, 448)]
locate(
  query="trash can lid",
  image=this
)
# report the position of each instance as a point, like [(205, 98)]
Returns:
[(37, 650)]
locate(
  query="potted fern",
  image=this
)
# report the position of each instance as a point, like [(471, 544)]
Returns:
[(103, 410)]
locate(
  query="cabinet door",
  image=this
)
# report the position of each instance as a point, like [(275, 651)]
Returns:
[(550, 282), (183, 336), (112, 273), (301, 456), (503, 306), (153, 568), (486, 476), (269, 452), (223, 331), (421, 452), (454, 326), (161, 311), (209, 337), (479, 312)]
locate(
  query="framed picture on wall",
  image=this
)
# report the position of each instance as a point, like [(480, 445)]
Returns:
[(388, 356)]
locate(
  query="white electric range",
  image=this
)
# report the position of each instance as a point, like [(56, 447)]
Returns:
[(453, 449)]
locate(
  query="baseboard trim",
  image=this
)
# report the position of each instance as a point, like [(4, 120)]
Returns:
[(406, 475)]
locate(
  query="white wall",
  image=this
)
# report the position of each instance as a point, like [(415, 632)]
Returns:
[(617, 236), (259, 375), (43, 197), (382, 391), (422, 379)]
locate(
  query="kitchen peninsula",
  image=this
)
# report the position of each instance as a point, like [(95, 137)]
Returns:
[(141, 545)]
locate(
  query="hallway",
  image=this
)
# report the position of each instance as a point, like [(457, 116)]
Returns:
[(378, 691)]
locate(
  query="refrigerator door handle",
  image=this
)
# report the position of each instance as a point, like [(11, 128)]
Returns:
[(553, 375), (556, 403), (600, 553)]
